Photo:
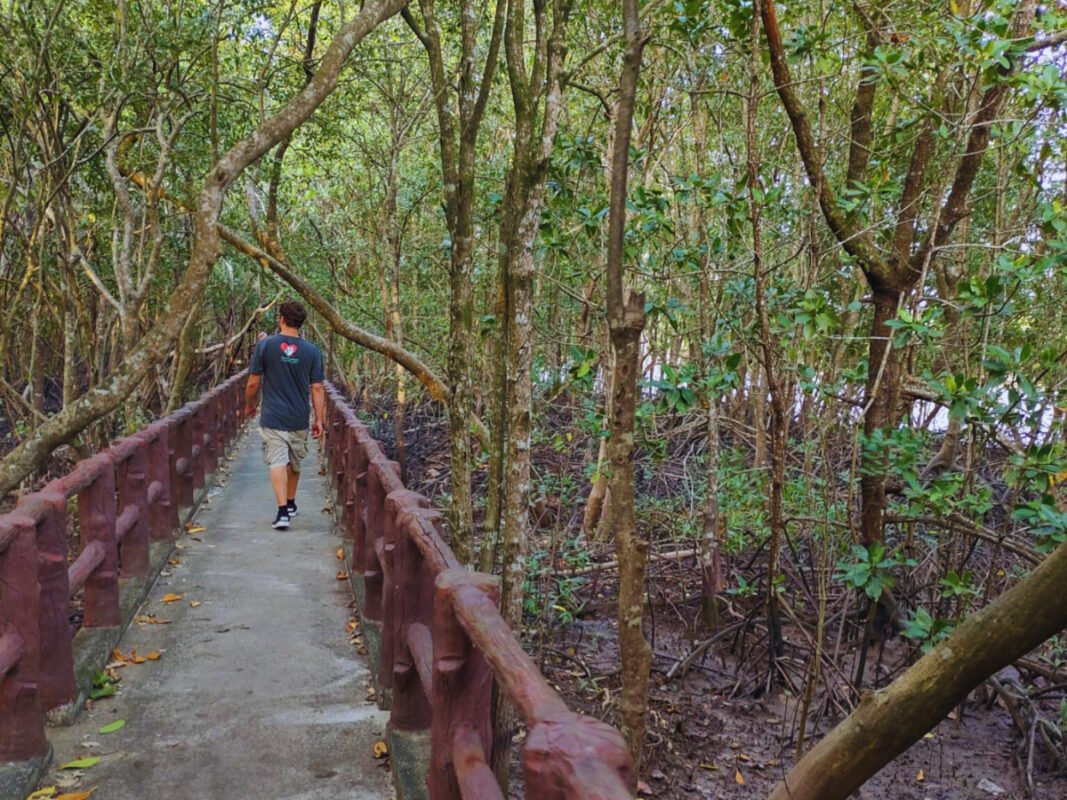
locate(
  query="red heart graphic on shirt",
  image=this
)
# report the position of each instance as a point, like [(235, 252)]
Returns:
[(288, 349)]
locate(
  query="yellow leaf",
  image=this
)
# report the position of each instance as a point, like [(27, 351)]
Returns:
[(340, 554), (43, 794), (138, 659), (150, 619), (170, 597), (381, 750), (739, 779), (195, 529), (921, 776), (153, 656), (77, 795), (342, 575), (195, 604)]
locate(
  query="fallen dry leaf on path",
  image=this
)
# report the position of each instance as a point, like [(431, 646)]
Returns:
[(43, 794), (195, 604), (77, 795), (381, 749), (739, 779), (342, 575), (340, 554), (153, 656), (191, 529), (170, 597), (150, 619)]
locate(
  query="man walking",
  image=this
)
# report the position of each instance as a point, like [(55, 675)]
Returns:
[(287, 367)]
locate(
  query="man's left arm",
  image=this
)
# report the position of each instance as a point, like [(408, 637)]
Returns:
[(318, 402)]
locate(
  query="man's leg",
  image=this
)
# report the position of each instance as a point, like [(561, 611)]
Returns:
[(293, 477), (276, 454), (280, 483), (297, 450)]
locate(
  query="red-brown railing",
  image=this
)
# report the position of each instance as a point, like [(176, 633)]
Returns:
[(127, 497), (444, 642)]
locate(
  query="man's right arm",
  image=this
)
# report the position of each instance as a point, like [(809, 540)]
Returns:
[(255, 378), (251, 395)]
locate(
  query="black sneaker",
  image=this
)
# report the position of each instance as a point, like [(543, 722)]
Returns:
[(291, 508), (281, 522)]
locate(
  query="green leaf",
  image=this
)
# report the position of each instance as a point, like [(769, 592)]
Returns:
[(82, 763), (111, 727)]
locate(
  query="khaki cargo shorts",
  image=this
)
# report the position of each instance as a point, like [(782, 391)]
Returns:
[(284, 447)]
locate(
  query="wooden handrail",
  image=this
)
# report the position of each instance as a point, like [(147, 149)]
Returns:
[(127, 496), (444, 644), (84, 565)]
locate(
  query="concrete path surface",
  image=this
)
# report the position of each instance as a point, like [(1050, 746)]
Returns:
[(257, 692)]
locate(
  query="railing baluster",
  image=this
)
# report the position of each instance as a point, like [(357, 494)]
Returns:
[(403, 605), (184, 449), (163, 512), (96, 520), (371, 570), (198, 450), (462, 682), (211, 434), (133, 493), (21, 715), (56, 682)]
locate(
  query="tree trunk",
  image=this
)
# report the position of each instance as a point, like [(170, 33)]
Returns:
[(626, 320)]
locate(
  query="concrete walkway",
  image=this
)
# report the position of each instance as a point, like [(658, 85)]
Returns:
[(257, 692)]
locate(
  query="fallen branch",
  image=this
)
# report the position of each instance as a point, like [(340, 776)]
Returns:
[(572, 573)]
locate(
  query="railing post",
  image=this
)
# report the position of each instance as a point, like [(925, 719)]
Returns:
[(182, 443), (335, 439), (22, 734), (369, 566), (358, 468), (347, 495), (571, 750), (133, 493), (199, 453), (462, 683), (401, 606), (164, 511), (56, 682), (96, 519), (211, 432)]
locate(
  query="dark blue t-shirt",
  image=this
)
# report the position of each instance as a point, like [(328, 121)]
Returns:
[(289, 365)]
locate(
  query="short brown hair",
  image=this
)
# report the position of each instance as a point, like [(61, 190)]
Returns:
[(293, 313)]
